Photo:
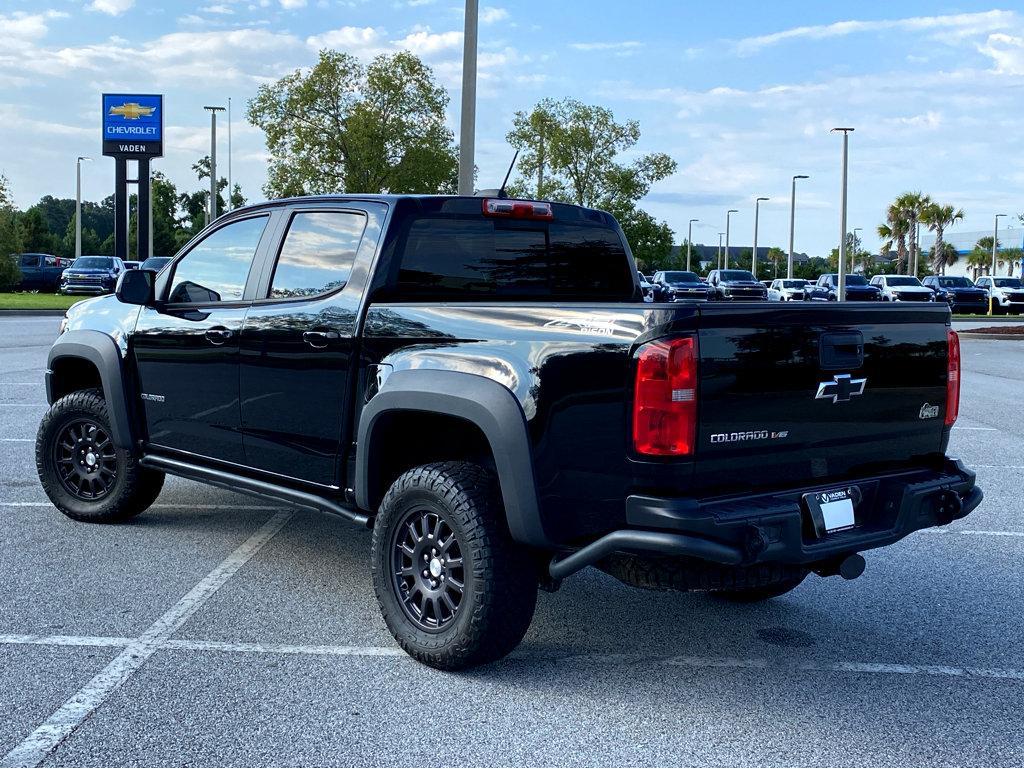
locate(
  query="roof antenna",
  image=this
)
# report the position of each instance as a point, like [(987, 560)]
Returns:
[(501, 190)]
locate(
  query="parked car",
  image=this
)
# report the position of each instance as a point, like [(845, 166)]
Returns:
[(735, 285), (40, 272), (155, 263), (645, 286), (787, 290), (902, 288), (826, 289), (91, 275), (682, 284), (960, 293), (1007, 293), (495, 403)]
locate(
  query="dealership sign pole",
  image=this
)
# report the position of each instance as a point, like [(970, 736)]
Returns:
[(133, 129)]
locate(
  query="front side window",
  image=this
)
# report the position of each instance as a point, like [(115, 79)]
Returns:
[(30, 260), (317, 254), (216, 269)]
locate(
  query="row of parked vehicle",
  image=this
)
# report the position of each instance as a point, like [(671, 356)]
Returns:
[(84, 275), (962, 294)]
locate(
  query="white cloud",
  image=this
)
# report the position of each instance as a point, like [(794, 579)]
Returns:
[(111, 7), (492, 15), (27, 26), (361, 41), (425, 43), (219, 8), (624, 45), (957, 24), (1006, 51), (289, 5)]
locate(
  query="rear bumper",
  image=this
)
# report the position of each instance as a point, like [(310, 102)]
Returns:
[(776, 527)]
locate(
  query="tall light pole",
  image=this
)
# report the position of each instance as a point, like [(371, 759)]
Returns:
[(841, 288), (720, 236), (78, 204), (728, 214), (856, 247), (213, 160), (230, 188), (689, 242), (995, 245), (753, 258), (792, 222), (467, 124)]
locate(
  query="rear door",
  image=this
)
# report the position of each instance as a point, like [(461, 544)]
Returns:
[(186, 347), (299, 341), (803, 393)]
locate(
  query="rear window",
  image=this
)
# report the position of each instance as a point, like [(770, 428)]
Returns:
[(465, 259)]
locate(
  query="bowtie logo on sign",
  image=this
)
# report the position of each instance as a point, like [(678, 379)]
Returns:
[(132, 111)]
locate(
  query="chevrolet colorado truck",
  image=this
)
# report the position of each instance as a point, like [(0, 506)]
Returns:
[(479, 381)]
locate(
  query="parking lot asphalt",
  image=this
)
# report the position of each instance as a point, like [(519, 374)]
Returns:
[(220, 630)]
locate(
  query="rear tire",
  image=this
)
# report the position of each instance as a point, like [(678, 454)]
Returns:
[(455, 590), (85, 476)]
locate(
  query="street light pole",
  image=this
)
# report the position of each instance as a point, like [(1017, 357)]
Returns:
[(753, 258), (841, 289), (467, 125), (728, 214), (213, 160), (230, 187), (792, 222), (995, 245), (78, 204), (689, 242)]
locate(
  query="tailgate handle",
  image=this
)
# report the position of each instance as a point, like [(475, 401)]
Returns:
[(841, 350)]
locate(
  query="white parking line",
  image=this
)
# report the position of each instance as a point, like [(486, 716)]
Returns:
[(986, 429), (974, 532), (734, 663), (17, 440), (167, 506), (34, 749)]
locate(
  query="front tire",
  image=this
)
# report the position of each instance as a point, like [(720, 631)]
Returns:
[(85, 476), (455, 590)]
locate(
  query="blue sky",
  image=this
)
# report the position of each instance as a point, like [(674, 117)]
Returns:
[(741, 94)]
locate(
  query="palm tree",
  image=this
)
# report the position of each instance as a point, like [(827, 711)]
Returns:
[(912, 204), (938, 218), (980, 259), (894, 230), (942, 256)]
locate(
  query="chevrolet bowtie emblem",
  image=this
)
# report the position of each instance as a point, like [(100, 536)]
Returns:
[(132, 110), (841, 388)]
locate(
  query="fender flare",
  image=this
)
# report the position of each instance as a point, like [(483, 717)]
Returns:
[(101, 351), (483, 402)]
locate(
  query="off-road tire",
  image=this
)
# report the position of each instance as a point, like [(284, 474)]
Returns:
[(737, 583), (499, 575), (134, 487)]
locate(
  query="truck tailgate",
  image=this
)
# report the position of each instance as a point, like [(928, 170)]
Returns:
[(790, 394)]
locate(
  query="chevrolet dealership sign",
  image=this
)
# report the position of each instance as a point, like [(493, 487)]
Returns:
[(133, 125)]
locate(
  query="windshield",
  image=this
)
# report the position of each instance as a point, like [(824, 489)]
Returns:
[(901, 281), (155, 262), (736, 275), (856, 280), (1007, 282), (955, 283), (94, 263), (794, 283), (681, 277)]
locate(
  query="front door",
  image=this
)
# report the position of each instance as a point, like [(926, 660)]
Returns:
[(298, 345), (186, 347)]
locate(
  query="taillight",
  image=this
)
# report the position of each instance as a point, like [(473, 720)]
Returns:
[(665, 398), (517, 209), (952, 377)]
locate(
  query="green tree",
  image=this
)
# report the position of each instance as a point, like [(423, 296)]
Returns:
[(778, 259), (346, 127), (36, 235), (894, 231), (938, 217), (980, 257), (912, 205), (649, 239), (10, 238)]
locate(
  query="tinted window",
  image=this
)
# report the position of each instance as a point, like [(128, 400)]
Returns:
[(94, 263), (902, 281), (855, 280), (1006, 282), (215, 270), (736, 275), (155, 263), (317, 254), (793, 283), (462, 259), (954, 282), (30, 260), (681, 277)]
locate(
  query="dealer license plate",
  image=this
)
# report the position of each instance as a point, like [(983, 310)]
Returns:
[(831, 511)]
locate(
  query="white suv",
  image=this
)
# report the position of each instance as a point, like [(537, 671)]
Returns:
[(902, 288), (1007, 293)]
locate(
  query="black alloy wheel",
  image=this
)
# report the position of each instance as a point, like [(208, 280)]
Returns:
[(427, 570), (85, 459)]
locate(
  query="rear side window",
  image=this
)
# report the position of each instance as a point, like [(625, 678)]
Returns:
[(317, 254), (463, 259), (30, 260)]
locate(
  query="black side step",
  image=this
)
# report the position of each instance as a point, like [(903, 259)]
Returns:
[(256, 488)]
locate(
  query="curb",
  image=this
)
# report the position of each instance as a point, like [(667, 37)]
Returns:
[(31, 313)]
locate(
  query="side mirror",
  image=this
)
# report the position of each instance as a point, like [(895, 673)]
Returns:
[(136, 287)]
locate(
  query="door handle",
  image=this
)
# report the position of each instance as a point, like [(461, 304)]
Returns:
[(218, 334), (319, 339)]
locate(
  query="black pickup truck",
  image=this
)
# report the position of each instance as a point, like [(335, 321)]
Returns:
[(478, 380)]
